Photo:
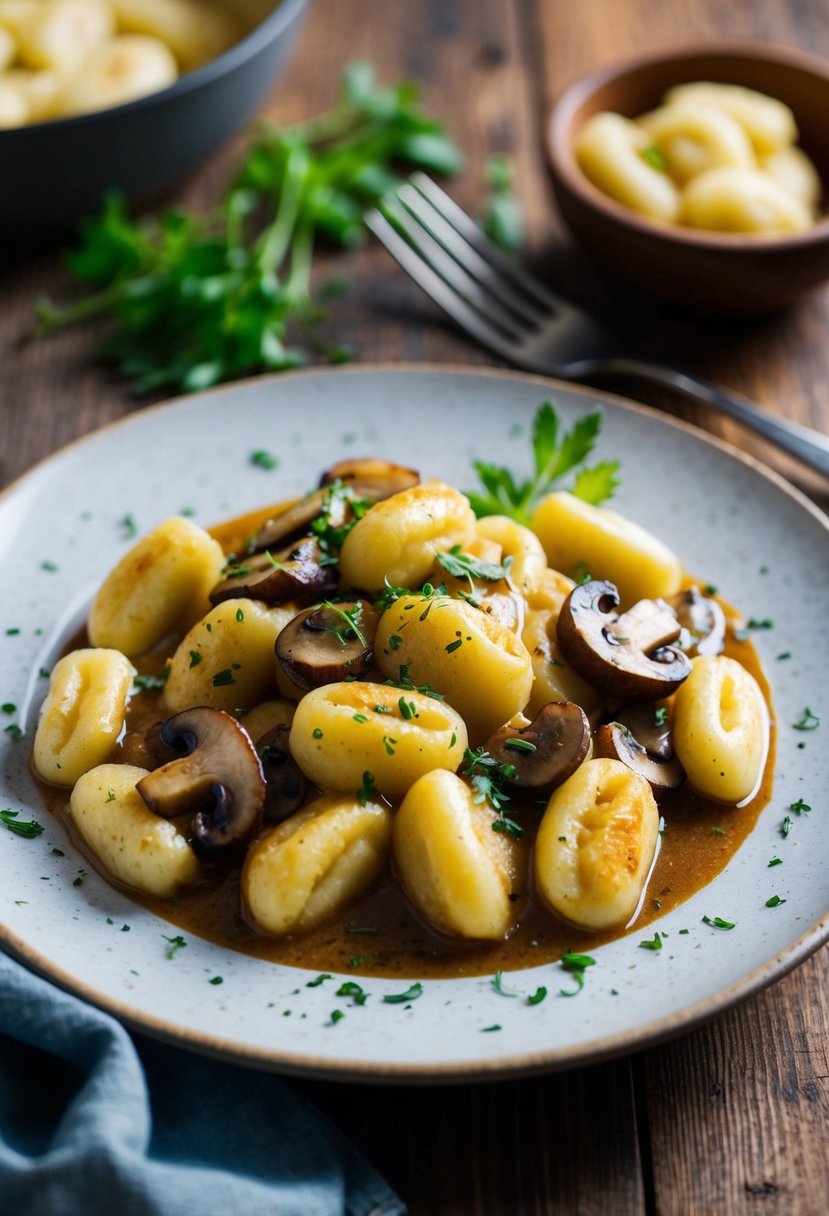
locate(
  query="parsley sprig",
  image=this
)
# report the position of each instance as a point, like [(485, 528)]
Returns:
[(554, 457), (193, 300), (487, 776)]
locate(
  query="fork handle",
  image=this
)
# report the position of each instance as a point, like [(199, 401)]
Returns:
[(806, 444)]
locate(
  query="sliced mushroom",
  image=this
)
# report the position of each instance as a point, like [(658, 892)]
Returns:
[(216, 773), (285, 781), (549, 750), (328, 643), (369, 477), (650, 727), (141, 746), (625, 656), (295, 522), (292, 573), (702, 621), (616, 742)]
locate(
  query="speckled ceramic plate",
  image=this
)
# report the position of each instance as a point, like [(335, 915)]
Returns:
[(767, 549)]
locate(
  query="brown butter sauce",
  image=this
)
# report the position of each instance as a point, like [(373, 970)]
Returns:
[(381, 936)]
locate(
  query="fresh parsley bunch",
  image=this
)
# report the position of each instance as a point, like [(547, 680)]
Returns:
[(195, 300), (554, 458)]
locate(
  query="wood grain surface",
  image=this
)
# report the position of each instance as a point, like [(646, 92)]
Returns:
[(733, 1118)]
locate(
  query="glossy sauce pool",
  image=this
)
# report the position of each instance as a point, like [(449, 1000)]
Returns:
[(381, 936)]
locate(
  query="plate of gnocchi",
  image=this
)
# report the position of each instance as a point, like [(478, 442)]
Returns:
[(411, 723)]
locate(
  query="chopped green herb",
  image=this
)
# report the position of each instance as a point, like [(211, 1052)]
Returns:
[(240, 616), (462, 565), (784, 654), (576, 964), (320, 979), (317, 733), (408, 709), (360, 717), (775, 861), (8, 707), (537, 997), (389, 744), (12, 633), (337, 1015), (195, 658), (651, 943), (110, 795), (369, 789), (717, 922), (718, 831), (217, 979), (799, 807), (50, 567), (27, 828), (491, 1029), (451, 647), (129, 528), (653, 157), (808, 721), (264, 460), (395, 641), (222, 678), (15, 732), (146, 683), (774, 902), (660, 716), (501, 988), (176, 943), (786, 826), (753, 623), (519, 745), (501, 219), (357, 994), (400, 998)]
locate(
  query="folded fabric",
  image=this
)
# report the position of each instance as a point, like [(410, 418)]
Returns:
[(93, 1122)]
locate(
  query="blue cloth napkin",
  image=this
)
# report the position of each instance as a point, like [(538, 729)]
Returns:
[(93, 1122)]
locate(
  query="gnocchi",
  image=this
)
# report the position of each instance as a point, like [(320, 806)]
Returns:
[(716, 157), (133, 844), (316, 863), (83, 713), (459, 874), (65, 57), (596, 844), (721, 729)]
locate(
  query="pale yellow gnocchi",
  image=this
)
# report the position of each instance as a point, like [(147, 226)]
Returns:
[(721, 729), (83, 713), (462, 877), (341, 732), (581, 539), (227, 658), (316, 863), (135, 846), (397, 539), (159, 586), (596, 844), (712, 157), (482, 668)]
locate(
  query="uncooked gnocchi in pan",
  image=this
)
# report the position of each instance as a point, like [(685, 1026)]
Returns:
[(372, 695)]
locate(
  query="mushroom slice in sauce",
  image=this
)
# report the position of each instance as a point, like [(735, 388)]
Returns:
[(625, 656), (369, 477), (296, 571), (286, 784), (616, 742), (702, 621), (216, 773), (549, 750), (328, 643)]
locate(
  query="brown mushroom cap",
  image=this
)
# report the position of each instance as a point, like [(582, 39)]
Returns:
[(615, 742), (369, 477), (328, 643), (625, 656), (702, 620), (285, 781), (549, 750), (651, 729), (292, 573), (216, 773)]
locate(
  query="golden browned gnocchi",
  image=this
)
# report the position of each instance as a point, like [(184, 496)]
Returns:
[(83, 713), (405, 710), (316, 863), (160, 585), (596, 844), (715, 157), (135, 846)]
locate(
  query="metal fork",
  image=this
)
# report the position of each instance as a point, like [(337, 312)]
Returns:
[(496, 301)]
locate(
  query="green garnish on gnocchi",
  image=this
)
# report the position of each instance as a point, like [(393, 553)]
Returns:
[(430, 710)]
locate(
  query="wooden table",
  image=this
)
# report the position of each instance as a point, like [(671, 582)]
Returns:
[(733, 1118)]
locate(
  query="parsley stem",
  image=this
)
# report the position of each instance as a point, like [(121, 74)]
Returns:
[(50, 318), (277, 238)]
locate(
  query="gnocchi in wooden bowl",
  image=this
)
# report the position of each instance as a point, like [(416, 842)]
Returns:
[(127, 95), (393, 704), (701, 173)]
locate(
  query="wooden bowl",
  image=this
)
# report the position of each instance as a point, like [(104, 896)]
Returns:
[(716, 272)]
